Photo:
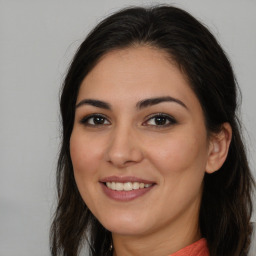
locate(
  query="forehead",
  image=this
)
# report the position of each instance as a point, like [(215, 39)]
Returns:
[(134, 73)]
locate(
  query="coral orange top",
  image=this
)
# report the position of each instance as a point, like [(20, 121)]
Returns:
[(198, 248)]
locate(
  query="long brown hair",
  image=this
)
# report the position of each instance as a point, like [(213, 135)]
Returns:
[(226, 204)]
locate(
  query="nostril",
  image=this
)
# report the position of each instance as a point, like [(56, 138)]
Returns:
[(123, 150)]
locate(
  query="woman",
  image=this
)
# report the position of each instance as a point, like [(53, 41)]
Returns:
[(152, 161)]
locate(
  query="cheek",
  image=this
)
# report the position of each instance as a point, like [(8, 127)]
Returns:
[(85, 159), (84, 155), (180, 154)]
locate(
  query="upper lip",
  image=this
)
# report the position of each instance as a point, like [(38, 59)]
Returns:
[(124, 179)]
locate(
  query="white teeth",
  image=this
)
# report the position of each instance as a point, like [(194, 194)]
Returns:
[(113, 185), (119, 186), (127, 186), (135, 185)]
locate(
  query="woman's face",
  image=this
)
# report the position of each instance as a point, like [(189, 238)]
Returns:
[(139, 145)]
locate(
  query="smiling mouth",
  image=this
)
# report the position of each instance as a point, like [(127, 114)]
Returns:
[(127, 186)]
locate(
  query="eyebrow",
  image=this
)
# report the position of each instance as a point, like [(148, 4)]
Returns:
[(140, 105), (153, 101), (95, 103)]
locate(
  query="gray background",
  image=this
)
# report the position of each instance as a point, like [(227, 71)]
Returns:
[(37, 41)]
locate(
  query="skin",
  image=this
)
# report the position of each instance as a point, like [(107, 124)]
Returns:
[(175, 156)]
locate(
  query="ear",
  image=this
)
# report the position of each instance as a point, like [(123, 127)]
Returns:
[(218, 148)]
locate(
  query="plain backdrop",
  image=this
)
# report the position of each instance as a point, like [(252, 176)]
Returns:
[(37, 42)]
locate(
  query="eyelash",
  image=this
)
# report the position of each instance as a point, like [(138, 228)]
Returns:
[(171, 120), (85, 120), (167, 118)]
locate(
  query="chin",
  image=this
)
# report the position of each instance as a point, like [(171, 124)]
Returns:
[(127, 231), (123, 226)]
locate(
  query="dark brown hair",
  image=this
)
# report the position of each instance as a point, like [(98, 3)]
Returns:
[(226, 203)]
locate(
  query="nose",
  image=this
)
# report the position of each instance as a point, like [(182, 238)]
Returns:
[(124, 148)]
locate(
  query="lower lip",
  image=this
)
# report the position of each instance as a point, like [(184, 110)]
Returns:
[(125, 195)]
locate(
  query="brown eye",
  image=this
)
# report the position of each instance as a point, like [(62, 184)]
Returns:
[(95, 120), (161, 120)]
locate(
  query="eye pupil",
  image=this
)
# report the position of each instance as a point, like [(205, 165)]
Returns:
[(160, 120), (98, 120)]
